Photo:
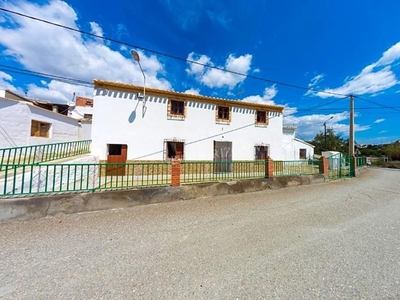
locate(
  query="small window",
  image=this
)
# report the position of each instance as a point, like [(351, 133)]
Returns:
[(261, 117), (88, 116), (261, 152), (223, 113), (114, 149), (303, 153), (89, 103), (177, 107), (175, 150), (40, 129)]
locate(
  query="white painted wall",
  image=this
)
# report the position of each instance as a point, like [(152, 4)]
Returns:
[(299, 144), (118, 119), (292, 145), (85, 130), (15, 125), (288, 144)]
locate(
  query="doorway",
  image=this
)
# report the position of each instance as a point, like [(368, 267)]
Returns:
[(117, 154), (222, 156)]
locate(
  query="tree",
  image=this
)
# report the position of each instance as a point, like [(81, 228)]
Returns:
[(333, 142), (393, 151)]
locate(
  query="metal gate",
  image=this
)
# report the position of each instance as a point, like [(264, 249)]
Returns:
[(340, 166), (222, 157)]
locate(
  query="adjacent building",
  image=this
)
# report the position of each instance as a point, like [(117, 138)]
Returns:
[(294, 148), (25, 122)]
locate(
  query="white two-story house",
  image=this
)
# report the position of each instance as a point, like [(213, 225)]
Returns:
[(165, 125)]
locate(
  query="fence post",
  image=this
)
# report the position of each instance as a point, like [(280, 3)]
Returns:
[(353, 168), (323, 165), (269, 167), (176, 173)]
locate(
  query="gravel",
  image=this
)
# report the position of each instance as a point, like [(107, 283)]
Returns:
[(337, 240)]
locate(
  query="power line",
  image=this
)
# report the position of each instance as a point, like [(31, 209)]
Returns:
[(170, 55), (45, 75), (379, 104)]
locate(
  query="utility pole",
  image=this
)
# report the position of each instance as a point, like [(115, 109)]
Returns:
[(325, 131), (351, 133)]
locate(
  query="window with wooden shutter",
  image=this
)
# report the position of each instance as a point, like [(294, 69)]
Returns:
[(40, 129)]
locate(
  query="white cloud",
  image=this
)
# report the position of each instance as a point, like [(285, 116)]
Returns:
[(256, 70), (218, 78), (197, 68), (192, 91), (58, 51), (317, 79), (267, 98), (374, 78), (383, 131), (308, 126), (379, 121), (390, 55), (96, 29), (6, 82), (58, 92)]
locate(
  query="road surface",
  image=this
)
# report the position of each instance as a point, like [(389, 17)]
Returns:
[(337, 240)]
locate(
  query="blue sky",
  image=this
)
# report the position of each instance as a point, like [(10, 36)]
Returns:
[(342, 47)]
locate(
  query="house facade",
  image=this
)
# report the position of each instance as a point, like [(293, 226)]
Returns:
[(24, 123), (170, 125)]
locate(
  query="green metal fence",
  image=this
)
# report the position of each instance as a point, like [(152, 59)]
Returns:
[(19, 180), (296, 167), (340, 166), (48, 178), (203, 171), (361, 161), (27, 155)]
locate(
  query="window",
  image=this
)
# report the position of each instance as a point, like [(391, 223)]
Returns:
[(261, 152), (176, 109), (88, 116), (40, 129), (89, 103), (261, 117), (224, 113), (303, 153), (175, 150)]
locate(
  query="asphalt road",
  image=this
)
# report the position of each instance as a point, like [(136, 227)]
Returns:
[(337, 240)]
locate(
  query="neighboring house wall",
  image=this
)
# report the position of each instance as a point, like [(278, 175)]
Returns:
[(16, 125), (83, 108), (303, 150), (294, 148), (118, 118), (288, 144), (85, 130)]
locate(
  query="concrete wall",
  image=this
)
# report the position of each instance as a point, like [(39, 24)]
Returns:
[(42, 206), (15, 125), (119, 118)]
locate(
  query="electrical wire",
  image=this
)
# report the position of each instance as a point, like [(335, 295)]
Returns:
[(45, 75), (170, 55), (379, 104)]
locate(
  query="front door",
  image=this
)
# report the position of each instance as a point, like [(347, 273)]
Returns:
[(116, 158), (223, 156)]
